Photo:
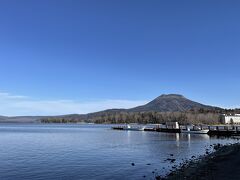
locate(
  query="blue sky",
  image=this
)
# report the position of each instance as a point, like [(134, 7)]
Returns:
[(65, 56)]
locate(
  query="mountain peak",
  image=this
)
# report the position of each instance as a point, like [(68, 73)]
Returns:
[(170, 103), (171, 96)]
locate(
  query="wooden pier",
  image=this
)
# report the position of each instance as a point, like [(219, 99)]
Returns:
[(118, 128), (217, 130), (168, 130), (150, 129), (224, 130)]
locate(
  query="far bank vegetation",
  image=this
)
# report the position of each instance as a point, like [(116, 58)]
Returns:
[(200, 116)]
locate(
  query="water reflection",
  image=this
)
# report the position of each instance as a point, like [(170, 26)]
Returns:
[(177, 139), (91, 152)]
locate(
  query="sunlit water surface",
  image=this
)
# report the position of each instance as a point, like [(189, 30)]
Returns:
[(74, 152)]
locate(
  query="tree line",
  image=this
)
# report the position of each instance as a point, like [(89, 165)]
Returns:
[(199, 116)]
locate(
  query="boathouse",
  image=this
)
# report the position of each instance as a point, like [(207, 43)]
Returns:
[(230, 119)]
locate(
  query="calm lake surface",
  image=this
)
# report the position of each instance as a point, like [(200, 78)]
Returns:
[(74, 151)]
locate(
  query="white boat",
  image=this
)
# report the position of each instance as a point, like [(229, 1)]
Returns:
[(195, 131), (133, 128)]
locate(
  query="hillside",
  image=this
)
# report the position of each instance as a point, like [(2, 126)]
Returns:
[(163, 104), (171, 107), (171, 103)]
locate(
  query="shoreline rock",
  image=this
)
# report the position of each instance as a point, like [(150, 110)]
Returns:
[(223, 163)]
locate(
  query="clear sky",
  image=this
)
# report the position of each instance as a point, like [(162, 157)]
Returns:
[(65, 56)]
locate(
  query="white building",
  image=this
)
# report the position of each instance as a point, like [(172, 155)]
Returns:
[(231, 119)]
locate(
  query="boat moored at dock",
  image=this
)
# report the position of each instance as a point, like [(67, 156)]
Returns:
[(192, 129), (130, 127), (169, 127), (134, 128), (195, 131)]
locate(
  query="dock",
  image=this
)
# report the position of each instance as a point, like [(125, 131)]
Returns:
[(173, 127), (118, 128), (224, 130), (169, 127)]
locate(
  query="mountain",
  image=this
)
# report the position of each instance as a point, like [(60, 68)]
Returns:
[(163, 103), (170, 103), (2, 118), (21, 119)]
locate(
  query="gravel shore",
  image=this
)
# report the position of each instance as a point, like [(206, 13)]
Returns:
[(223, 164)]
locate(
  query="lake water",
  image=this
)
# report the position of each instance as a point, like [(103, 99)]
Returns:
[(74, 152)]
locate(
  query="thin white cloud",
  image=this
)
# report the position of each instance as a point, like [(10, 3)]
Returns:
[(14, 105), (4, 95)]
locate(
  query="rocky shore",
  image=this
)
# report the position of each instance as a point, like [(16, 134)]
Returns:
[(222, 164)]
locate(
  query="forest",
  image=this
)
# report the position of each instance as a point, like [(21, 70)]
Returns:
[(194, 116)]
